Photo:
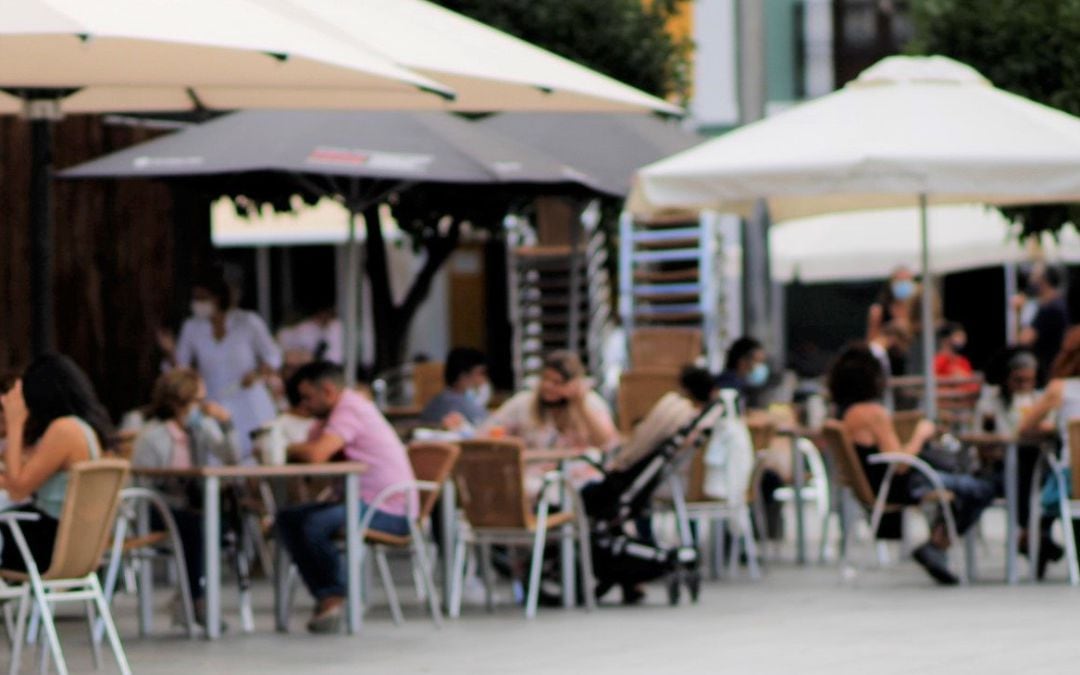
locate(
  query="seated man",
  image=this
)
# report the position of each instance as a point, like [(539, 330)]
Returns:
[(460, 406), (351, 424)]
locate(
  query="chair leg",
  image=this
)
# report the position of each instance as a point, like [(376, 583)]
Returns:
[(537, 562), (457, 581), (95, 647), (746, 533), (1070, 543), (421, 561), (488, 574), (110, 627), (388, 585), (971, 541), (51, 638), (716, 533), (19, 635)]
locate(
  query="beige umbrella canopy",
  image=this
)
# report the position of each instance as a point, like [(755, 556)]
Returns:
[(68, 56), (488, 69)]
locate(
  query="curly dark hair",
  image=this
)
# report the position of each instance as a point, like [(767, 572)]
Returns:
[(856, 377)]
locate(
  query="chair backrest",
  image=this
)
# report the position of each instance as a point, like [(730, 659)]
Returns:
[(904, 422), (670, 348), (1073, 430), (639, 390), (427, 378), (432, 462), (490, 479), (848, 467), (88, 517)]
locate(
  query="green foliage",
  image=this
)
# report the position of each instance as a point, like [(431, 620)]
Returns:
[(1028, 47), (624, 39)]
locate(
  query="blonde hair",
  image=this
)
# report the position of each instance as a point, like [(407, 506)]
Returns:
[(172, 391)]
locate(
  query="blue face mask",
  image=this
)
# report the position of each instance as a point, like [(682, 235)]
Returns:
[(759, 375), (903, 289), (193, 418)]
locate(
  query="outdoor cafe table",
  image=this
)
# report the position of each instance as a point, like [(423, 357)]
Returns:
[(211, 477), (1010, 447)]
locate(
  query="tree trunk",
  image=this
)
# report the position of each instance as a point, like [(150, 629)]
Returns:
[(392, 321)]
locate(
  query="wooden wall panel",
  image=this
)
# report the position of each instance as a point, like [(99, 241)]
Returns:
[(113, 259)]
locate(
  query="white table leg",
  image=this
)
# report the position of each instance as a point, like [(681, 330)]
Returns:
[(146, 575), (1011, 499), (449, 539), (352, 552), (212, 553)]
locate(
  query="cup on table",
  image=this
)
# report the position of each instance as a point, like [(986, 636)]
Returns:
[(496, 433)]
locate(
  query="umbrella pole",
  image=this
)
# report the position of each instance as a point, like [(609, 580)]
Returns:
[(41, 233), (930, 391), (352, 268)]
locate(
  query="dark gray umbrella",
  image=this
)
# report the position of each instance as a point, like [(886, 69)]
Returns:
[(609, 147), (418, 147), (364, 147)]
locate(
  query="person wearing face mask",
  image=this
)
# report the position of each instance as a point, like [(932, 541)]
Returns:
[(1045, 331), (746, 368), (461, 406), (949, 360), (897, 304), (233, 351), (185, 430)]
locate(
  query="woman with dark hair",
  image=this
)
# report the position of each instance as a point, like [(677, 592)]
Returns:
[(54, 421), (857, 384), (233, 351)]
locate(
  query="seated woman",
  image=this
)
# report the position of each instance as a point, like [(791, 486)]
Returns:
[(54, 421), (1062, 397), (561, 413), (857, 384), (185, 430)]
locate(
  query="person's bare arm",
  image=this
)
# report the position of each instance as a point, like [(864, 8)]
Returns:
[(1049, 402), (317, 451), (62, 445), (882, 427), (599, 428)]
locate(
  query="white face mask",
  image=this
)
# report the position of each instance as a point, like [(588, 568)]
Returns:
[(202, 309), (481, 395)]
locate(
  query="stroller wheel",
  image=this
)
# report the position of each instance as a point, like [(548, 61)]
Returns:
[(693, 584), (674, 588)]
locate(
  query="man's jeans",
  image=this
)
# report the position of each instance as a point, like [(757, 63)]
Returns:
[(307, 532)]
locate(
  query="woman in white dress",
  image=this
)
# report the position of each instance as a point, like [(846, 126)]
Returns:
[(233, 351)]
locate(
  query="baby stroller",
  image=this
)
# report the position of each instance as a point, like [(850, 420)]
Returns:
[(624, 559)]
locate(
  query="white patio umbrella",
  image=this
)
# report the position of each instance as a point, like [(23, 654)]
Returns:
[(910, 131), (863, 245)]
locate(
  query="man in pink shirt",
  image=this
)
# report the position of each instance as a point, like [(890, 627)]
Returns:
[(352, 425)]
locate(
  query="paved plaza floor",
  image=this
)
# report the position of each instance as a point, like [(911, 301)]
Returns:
[(795, 620)]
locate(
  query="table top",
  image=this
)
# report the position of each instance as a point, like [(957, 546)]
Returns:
[(985, 439), (256, 471), (553, 455)]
